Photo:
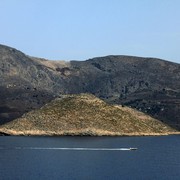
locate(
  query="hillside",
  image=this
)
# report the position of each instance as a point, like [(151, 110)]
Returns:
[(26, 83), (84, 115), (149, 85)]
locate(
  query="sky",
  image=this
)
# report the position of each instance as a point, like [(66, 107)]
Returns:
[(83, 29)]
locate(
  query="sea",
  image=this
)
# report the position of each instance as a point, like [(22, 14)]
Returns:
[(89, 158)]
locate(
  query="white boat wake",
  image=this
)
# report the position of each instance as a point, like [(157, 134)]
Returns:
[(70, 149)]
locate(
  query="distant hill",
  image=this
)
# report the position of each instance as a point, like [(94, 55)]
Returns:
[(84, 114), (149, 85)]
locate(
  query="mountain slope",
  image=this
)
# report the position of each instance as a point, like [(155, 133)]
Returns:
[(147, 84), (26, 83), (84, 115), (150, 85)]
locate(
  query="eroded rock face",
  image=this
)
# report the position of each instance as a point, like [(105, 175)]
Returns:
[(147, 84)]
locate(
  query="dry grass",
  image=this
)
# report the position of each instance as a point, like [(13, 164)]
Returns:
[(83, 132), (85, 114), (51, 64)]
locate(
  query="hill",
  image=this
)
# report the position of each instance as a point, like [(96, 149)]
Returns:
[(26, 83), (84, 114), (149, 85)]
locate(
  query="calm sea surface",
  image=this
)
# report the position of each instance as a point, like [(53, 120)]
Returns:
[(42, 158)]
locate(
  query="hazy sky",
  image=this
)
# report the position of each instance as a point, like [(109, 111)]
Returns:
[(82, 29)]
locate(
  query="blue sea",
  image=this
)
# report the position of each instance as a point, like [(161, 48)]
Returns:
[(89, 158)]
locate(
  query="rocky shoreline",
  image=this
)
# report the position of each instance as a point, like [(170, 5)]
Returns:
[(85, 132)]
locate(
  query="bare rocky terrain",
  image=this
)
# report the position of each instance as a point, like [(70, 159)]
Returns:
[(149, 85)]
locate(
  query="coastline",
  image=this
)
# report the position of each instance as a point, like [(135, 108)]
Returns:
[(86, 132)]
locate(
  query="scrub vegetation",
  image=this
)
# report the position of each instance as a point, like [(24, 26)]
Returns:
[(84, 114)]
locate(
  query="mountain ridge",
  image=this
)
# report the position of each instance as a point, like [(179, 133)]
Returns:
[(147, 84)]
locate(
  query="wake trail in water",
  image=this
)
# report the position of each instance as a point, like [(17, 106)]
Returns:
[(69, 148)]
